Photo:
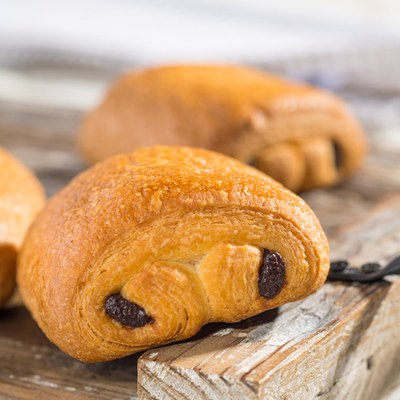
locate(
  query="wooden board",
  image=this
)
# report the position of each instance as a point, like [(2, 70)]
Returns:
[(32, 368), (315, 349), (343, 342)]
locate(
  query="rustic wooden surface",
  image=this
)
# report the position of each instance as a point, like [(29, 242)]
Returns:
[(32, 368), (341, 343), (328, 340)]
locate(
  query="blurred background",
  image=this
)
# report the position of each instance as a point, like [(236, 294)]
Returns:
[(62, 54), (58, 57)]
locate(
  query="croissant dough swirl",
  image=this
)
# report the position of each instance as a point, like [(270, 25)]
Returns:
[(145, 248), (21, 198), (302, 136)]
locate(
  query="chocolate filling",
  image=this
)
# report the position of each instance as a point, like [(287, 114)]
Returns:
[(337, 154), (272, 274), (252, 163), (125, 312)]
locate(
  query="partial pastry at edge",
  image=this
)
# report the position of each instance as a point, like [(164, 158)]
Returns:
[(21, 198), (145, 248), (302, 136)]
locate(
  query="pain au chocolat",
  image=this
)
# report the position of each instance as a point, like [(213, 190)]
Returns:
[(145, 248), (302, 136), (21, 198)]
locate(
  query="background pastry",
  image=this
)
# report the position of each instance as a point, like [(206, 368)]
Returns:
[(145, 248), (21, 198), (300, 135)]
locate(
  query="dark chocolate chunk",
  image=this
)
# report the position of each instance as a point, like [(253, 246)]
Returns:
[(337, 154), (272, 274), (369, 268), (125, 312)]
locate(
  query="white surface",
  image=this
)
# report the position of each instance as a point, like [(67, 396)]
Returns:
[(393, 395), (67, 93), (175, 30)]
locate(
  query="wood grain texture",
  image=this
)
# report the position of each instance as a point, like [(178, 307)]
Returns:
[(44, 139), (341, 343), (31, 367)]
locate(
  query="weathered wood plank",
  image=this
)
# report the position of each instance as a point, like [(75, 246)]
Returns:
[(45, 140), (31, 367), (340, 343)]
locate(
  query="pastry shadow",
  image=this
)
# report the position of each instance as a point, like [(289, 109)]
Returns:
[(215, 327), (209, 330), (16, 323), (218, 336)]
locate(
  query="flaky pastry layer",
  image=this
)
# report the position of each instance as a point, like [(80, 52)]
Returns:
[(179, 233)]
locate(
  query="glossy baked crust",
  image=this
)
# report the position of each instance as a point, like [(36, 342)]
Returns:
[(179, 232), (21, 197), (302, 136)]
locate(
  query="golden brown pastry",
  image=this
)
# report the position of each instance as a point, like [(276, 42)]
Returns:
[(300, 135), (145, 248), (21, 197)]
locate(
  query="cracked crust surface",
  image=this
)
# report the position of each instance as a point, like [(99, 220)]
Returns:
[(178, 231)]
